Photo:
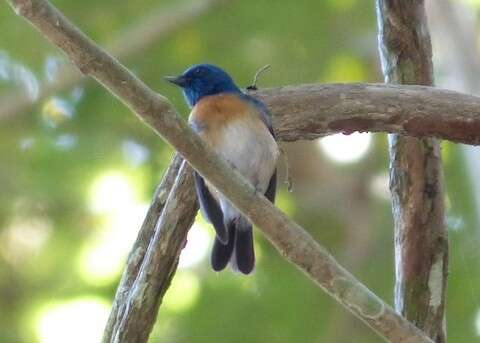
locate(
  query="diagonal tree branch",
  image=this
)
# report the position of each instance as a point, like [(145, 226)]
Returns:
[(161, 23), (289, 238), (416, 176), (148, 230), (135, 316)]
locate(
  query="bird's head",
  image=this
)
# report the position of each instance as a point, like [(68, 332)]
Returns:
[(203, 80)]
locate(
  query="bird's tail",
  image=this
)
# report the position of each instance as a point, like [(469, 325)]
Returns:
[(221, 253), (243, 257), (239, 249)]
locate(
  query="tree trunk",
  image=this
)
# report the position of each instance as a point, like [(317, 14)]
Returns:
[(416, 178)]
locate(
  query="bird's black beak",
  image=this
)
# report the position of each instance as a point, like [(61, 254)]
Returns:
[(180, 80)]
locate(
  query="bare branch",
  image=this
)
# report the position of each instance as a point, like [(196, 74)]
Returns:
[(289, 238), (416, 176), (161, 23), (313, 111), (142, 243), (133, 319)]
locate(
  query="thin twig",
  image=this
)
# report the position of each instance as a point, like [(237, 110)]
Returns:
[(253, 86)]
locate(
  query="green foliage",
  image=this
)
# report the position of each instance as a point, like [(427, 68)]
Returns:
[(59, 234)]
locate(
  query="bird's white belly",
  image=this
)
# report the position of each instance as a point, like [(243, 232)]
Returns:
[(252, 150)]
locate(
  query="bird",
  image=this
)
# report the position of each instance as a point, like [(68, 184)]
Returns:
[(238, 127)]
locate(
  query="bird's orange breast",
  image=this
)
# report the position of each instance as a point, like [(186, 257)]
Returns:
[(233, 128), (214, 112)]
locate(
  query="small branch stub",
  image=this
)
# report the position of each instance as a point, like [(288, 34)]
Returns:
[(253, 86)]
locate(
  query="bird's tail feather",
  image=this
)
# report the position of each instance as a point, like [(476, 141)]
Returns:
[(243, 258), (239, 249), (222, 253)]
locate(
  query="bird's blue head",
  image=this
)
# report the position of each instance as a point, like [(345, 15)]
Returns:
[(202, 80)]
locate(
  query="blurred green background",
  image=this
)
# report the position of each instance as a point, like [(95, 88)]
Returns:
[(78, 170)]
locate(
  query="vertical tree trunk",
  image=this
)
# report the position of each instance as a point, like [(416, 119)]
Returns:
[(416, 178)]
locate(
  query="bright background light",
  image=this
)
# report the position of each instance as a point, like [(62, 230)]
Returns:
[(112, 192), (113, 199), (198, 242), (183, 293), (79, 320), (477, 323), (24, 239), (342, 148)]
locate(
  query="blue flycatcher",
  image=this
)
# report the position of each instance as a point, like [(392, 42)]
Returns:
[(237, 127)]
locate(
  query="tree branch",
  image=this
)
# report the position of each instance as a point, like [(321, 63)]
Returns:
[(290, 239), (416, 176), (142, 244), (161, 23), (134, 316), (313, 111)]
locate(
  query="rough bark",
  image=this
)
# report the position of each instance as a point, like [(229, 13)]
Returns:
[(146, 233), (416, 177), (290, 239), (313, 111), (134, 316), (161, 23)]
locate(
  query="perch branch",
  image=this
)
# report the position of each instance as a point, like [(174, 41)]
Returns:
[(289, 238), (416, 176)]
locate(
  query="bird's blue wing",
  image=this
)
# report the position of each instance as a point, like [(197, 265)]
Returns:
[(266, 118), (272, 188), (210, 208), (263, 111)]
